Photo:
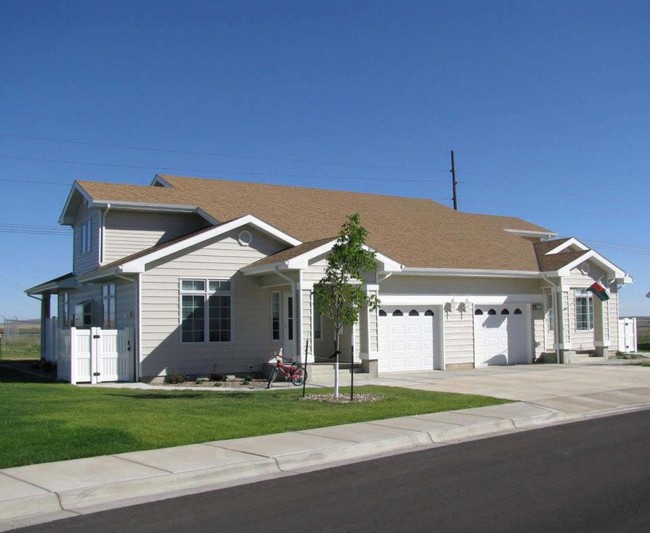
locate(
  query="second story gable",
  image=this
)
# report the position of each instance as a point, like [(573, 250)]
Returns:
[(105, 231)]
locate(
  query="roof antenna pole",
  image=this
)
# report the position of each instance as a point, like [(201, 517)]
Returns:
[(453, 181)]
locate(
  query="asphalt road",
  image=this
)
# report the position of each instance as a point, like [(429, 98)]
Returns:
[(589, 476)]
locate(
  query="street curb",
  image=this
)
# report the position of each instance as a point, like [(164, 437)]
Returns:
[(52, 505)]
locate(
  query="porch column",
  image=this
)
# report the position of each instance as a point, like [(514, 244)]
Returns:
[(563, 335), (601, 331), (45, 316), (305, 312), (369, 334)]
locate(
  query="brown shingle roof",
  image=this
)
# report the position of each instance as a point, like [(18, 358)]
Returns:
[(548, 263), (415, 232), (290, 253)]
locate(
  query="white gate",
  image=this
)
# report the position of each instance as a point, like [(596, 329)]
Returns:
[(95, 355), (627, 335)]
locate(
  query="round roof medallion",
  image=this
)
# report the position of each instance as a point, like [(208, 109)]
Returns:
[(245, 237), (584, 268)]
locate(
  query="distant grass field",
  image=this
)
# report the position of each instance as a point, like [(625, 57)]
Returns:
[(20, 351)]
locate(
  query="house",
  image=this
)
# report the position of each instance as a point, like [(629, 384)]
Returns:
[(211, 274)]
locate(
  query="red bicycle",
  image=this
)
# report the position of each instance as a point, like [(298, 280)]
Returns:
[(293, 372)]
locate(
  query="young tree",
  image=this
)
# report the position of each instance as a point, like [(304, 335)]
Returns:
[(339, 295)]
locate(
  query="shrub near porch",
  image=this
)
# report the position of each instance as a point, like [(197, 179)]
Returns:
[(46, 422)]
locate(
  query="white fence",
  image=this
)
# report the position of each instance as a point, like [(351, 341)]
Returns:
[(627, 335), (95, 355)]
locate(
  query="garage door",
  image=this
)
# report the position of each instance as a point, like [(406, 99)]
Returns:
[(407, 338), (501, 335)]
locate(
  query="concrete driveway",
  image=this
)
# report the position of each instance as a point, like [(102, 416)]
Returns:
[(579, 388)]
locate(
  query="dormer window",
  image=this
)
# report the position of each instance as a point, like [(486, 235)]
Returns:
[(86, 236)]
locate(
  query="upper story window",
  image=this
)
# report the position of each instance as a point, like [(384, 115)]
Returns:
[(206, 310), (108, 305), (584, 311), (86, 232)]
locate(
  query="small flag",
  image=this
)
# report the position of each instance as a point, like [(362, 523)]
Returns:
[(599, 291)]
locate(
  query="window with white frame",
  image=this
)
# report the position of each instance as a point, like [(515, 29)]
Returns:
[(206, 310), (108, 306), (83, 314), (86, 236), (275, 316), (584, 311)]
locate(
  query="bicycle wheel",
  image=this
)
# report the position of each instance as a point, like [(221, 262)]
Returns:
[(272, 377), (299, 376)]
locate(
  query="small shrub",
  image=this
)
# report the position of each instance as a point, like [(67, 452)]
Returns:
[(175, 377), (217, 377), (218, 384), (246, 380)]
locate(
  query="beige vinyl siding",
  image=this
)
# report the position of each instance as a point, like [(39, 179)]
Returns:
[(125, 304), (306, 329), (373, 330), (129, 232), (162, 350), (459, 336), (315, 272), (89, 261), (539, 338), (577, 281)]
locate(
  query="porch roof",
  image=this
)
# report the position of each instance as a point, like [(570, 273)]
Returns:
[(65, 282)]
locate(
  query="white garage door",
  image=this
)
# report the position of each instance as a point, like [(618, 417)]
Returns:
[(501, 335), (407, 339)]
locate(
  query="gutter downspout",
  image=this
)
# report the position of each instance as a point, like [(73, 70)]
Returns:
[(557, 322)]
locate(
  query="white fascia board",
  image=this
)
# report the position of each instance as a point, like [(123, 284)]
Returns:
[(68, 283), (76, 188), (103, 274), (265, 269), (157, 179), (441, 299), (531, 233), (145, 206), (139, 265), (470, 272), (596, 257), (571, 242), (302, 260)]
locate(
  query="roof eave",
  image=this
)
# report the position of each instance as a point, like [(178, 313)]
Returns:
[(470, 272)]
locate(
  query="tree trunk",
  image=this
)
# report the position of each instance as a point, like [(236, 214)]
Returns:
[(336, 364)]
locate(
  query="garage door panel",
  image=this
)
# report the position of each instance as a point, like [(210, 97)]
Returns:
[(501, 339), (406, 342)]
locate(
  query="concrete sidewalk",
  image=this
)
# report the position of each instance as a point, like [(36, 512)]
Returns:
[(550, 394)]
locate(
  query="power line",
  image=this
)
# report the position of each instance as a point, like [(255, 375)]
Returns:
[(212, 172), (33, 229), (212, 154)]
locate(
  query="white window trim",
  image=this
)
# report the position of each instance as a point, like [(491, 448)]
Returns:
[(85, 237), (582, 294), (206, 319)]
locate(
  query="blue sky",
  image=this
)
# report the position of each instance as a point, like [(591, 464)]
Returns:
[(545, 104)]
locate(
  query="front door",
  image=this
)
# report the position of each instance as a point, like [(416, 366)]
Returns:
[(288, 325)]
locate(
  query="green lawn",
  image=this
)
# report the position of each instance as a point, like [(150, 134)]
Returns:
[(45, 421)]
